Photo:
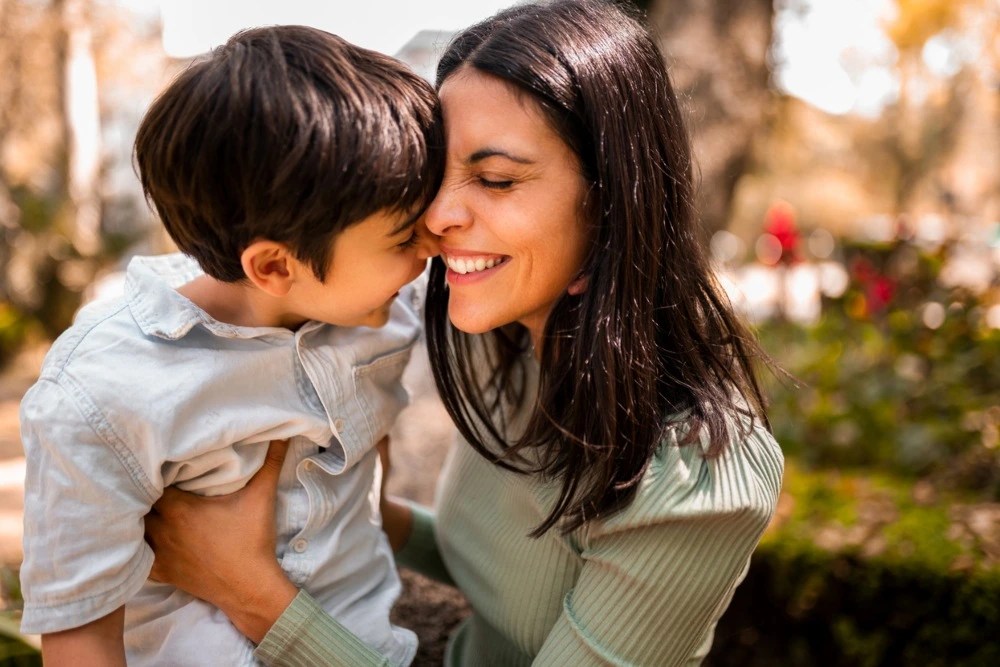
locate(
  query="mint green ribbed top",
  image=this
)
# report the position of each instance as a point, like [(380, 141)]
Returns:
[(643, 587)]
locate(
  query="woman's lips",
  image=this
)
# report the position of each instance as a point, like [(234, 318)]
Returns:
[(470, 267)]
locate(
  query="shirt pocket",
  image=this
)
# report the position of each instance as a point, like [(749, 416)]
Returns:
[(379, 389)]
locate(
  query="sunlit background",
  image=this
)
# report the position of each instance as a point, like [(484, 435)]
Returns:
[(849, 168)]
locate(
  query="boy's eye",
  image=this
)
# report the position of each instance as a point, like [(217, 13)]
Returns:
[(409, 242), (494, 184)]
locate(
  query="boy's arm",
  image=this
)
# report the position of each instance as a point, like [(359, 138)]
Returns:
[(85, 497), (96, 644)]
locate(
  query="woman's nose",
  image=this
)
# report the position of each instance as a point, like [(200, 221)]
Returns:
[(427, 241), (447, 213)]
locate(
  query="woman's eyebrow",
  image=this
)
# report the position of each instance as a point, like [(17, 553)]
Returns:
[(484, 153)]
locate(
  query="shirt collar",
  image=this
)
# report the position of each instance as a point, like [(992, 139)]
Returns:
[(160, 310)]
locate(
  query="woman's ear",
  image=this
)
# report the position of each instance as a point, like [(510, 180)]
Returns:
[(579, 285), (270, 266)]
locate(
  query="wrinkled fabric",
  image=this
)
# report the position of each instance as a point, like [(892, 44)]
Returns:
[(149, 391)]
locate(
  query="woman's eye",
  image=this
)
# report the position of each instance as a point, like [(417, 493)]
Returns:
[(494, 184)]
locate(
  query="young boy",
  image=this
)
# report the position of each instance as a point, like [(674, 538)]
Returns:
[(291, 167)]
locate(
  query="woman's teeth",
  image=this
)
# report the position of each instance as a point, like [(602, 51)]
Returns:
[(463, 266)]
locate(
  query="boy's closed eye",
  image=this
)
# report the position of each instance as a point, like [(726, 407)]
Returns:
[(410, 240)]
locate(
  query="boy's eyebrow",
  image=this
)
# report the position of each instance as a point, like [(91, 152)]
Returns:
[(484, 153)]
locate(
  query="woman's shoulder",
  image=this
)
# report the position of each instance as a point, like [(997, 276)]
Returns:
[(684, 482)]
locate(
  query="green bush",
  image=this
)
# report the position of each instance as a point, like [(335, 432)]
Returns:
[(864, 571), (882, 389), (15, 329), (14, 651), (804, 606)]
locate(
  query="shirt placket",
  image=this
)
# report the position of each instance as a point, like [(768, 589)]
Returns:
[(314, 503)]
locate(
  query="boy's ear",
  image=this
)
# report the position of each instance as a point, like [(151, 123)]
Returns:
[(270, 266)]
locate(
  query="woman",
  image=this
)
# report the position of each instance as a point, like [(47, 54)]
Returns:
[(614, 470)]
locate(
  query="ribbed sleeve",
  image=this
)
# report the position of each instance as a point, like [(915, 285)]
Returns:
[(306, 636), (645, 586)]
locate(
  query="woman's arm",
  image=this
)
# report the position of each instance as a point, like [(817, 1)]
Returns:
[(651, 596), (221, 549), (657, 577)]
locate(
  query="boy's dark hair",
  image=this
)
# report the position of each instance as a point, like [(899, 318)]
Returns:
[(290, 134)]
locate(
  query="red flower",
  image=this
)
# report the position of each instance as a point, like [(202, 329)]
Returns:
[(779, 222), (880, 292)]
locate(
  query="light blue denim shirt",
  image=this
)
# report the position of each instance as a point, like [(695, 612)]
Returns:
[(149, 391)]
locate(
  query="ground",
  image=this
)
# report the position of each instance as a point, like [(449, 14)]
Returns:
[(419, 443)]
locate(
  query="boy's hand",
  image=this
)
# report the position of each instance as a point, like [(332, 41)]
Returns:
[(221, 549)]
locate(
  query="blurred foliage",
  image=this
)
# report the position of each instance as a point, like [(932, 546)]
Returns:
[(16, 328), (901, 373), (916, 21), (808, 607), (15, 650), (60, 223), (868, 570), (885, 517), (886, 545)]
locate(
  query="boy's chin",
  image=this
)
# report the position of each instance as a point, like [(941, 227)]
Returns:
[(376, 318), (373, 318)]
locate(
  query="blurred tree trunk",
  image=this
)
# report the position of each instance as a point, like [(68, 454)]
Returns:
[(50, 208), (956, 121), (62, 275), (79, 167), (718, 54)]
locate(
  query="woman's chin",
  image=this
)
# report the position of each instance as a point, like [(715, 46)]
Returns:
[(470, 323)]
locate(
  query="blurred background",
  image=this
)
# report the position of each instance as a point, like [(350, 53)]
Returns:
[(849, 166)]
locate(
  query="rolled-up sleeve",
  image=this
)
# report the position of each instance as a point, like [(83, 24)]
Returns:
[(85, 499)]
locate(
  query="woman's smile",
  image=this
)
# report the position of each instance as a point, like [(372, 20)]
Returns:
[(465, 266), (510, 210)]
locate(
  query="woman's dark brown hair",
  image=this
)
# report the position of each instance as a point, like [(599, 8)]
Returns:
[(290, 134), (652, 343)]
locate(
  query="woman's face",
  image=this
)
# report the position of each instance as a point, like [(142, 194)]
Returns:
[(510, 209)]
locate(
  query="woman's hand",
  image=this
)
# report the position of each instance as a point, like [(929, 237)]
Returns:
[(221, 548)]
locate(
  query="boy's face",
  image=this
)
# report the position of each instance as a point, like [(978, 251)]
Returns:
[(370, 262)]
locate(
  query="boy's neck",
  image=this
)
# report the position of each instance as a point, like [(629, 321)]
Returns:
[(239, 304)]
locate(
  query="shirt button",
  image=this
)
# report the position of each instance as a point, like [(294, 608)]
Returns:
[(300, 545), (308, 465), (338, 424)]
